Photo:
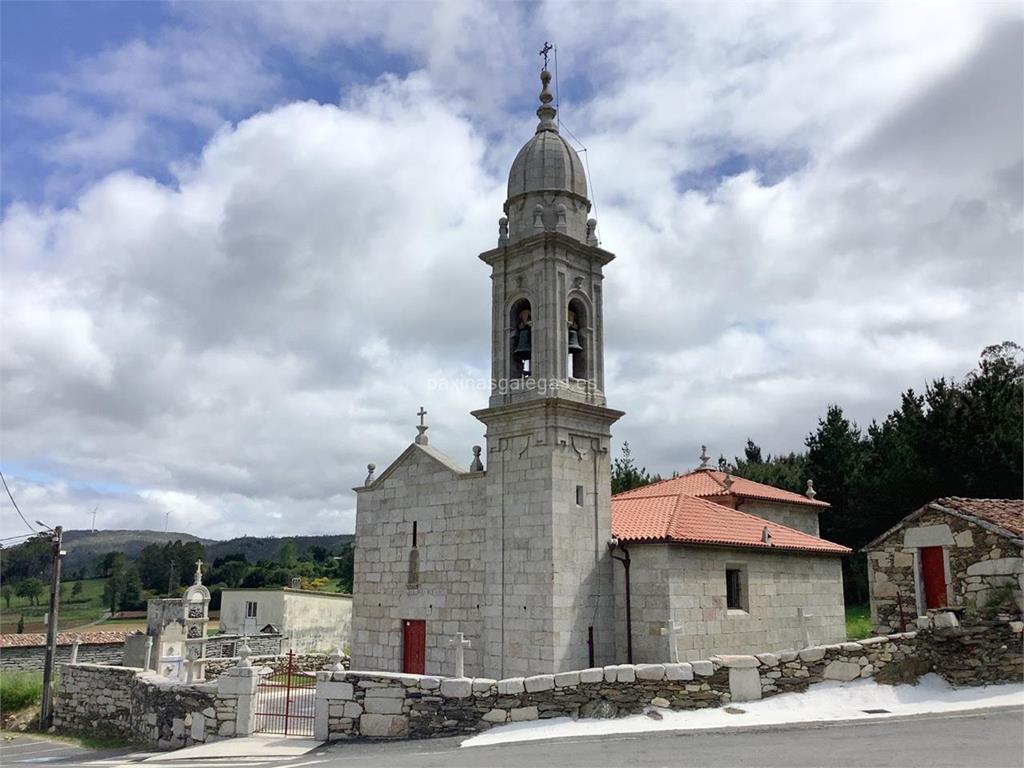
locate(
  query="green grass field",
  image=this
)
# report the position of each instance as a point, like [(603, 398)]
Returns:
[(19, 690), (858, 622), (74, 611)]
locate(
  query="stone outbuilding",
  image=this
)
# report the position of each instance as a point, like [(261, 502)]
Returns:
[(957, 553)]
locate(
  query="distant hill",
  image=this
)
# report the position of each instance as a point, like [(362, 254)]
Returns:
[(256, 548), (84, 548)]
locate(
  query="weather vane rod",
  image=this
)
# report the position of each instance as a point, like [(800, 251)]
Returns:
[(544, 52)]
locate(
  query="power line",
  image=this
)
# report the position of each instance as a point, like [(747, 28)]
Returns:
[(16, 508), (19, 536)]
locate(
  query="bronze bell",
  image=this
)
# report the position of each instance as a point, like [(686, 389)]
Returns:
[(574, 342), (523, 347)]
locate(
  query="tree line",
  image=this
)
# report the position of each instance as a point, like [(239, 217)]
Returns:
[(956, 438), (165, 570)]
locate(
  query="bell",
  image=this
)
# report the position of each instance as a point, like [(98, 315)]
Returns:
[(523, 348), (574, 342)]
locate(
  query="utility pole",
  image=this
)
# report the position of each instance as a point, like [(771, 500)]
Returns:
[(46, 711)]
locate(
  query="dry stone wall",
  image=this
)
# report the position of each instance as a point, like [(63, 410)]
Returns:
[(308, 662), (34, 657), (355, 705), (139, 706)]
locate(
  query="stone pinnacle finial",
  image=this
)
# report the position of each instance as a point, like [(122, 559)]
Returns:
[(728, 481), (810, 493), (545, 111), (369, 473), (477, 465), (766, 536), (704, 458), (421, 438)]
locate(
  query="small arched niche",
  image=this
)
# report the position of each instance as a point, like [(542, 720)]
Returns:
[(577, 364), (520, 339)]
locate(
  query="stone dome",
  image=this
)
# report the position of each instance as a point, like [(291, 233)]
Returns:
[(547, 162)]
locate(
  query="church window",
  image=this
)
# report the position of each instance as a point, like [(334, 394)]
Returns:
[(413, 579), (521, 339), (250, 609), (736, 588), (579, 495), (576, 361)]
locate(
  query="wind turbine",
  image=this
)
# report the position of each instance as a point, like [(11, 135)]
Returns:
[(94, 517)]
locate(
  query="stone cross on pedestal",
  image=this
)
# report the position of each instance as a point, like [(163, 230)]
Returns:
[(199, 572), (672, 629), (421, 438), (461, 643)]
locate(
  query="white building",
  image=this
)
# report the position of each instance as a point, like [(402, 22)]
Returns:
[(518, 557), (309, 621)]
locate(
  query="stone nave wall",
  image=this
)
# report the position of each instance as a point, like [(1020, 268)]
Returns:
[(354, 705)]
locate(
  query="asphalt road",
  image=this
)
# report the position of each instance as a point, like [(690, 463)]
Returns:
[(982, 738), (989, 738)]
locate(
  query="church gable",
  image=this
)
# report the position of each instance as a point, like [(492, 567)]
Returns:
[(417, 461)]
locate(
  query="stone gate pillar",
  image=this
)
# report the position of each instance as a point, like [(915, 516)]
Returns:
[(240, 683)]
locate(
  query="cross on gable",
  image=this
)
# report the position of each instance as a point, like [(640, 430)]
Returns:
[(421, 413)]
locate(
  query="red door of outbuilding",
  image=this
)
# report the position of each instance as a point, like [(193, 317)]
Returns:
[(414, 646), (933, 576)]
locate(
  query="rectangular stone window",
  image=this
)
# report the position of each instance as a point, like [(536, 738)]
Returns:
[(579, 495), (736, 588), (250, 609)]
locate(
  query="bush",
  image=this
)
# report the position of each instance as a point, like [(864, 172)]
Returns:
[(19, 690)]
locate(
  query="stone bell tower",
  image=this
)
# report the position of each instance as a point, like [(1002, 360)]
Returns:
[(549, 601)]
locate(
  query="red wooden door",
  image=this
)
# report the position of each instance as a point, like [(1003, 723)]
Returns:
[(414, 646), (933, 576)]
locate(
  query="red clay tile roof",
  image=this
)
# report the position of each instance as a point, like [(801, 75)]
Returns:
[(680, 517), (63, 638), (708, 483), (1006, 513)]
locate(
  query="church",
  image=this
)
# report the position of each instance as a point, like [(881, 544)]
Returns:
[(525, 552)]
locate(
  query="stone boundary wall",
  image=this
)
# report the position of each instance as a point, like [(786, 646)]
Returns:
[(305, 662), (33, 657), (139, 706), (353, 705)]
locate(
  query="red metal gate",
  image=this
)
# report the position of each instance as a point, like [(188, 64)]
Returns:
[(286, 701)]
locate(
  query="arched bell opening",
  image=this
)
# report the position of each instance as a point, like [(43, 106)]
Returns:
[(576, 321), (520, 339)]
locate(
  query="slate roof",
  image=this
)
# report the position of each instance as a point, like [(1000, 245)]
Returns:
[(33, 639), (682, 518), (709, 483)]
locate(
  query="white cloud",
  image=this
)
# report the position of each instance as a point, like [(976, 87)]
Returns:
[(235, 346)]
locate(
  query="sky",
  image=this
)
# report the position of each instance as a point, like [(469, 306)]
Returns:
[(239, 239)]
